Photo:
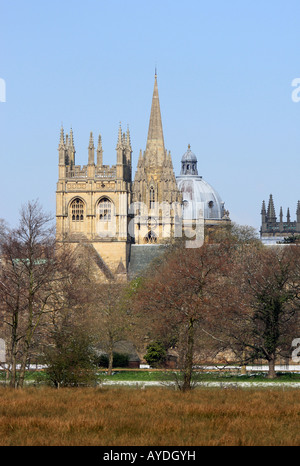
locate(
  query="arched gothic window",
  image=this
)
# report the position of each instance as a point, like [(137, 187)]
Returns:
[(77, 210), (152, 198), (105, 210), (150, 237)]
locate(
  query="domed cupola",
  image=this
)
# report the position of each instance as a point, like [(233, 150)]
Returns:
[(189, 163), (199, 198)]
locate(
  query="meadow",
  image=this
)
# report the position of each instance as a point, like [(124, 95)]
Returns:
[(110, 416)]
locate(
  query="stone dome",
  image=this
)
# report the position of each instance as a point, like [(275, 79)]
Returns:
[(197, 194), (189, 163), (189, 156)]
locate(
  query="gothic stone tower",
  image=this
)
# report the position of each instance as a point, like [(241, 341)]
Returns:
[(92, 203), (155, 189), (270, 227)]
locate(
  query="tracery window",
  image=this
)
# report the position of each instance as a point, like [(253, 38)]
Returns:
[(105, 210), (150, 237), (77, 210)]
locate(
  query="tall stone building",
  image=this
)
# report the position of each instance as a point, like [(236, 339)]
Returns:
[(274, 230), (92, 202), (125, 224), (155, 190)]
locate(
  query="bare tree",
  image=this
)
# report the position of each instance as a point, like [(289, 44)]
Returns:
[(69, 350), (176, 297), (110, 320), (258, 313), (29, 283), (3, 228)]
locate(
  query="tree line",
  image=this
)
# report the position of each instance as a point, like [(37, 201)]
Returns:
[(233, 300)]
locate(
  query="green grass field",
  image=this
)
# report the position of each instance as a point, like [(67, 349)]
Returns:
[(126, 375), (149, 376)]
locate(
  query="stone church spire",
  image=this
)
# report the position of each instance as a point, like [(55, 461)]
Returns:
[(155, 182), (155, 148)]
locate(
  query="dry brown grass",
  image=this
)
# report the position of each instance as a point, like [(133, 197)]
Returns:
[(151, 417)]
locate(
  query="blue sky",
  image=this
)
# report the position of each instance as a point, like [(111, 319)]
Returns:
[(225, 70)]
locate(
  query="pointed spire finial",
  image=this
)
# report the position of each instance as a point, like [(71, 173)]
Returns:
[(71, 149), (128, 141), (62, 148), (271, 209), (91, 149), (71, 138), (99, 142), (62, 136), (99, 152), (91, 143), (120, 138), (155, 139)]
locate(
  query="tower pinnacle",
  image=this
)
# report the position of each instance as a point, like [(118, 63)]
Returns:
[(62, 138), (271, 210), (119, 142), (91, 149), (99, 152)]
